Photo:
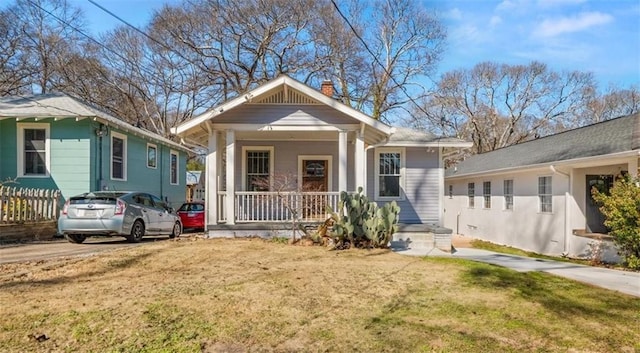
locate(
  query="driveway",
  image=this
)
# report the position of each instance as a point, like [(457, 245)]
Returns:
[(43, 250)]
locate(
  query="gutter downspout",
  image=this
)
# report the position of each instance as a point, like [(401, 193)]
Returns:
[(567, 209)]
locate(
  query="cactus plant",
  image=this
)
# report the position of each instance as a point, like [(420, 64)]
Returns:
[(359, 222)]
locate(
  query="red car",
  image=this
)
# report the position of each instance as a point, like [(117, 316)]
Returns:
[(192, 215)]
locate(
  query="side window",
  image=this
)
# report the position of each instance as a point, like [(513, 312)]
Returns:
[(390, 173), (258, 164), (508, 194), (471, 193), (173, 168), (545, 194), (486, 194), (33, 150), (118, 156), (158, 202), (152, 153)]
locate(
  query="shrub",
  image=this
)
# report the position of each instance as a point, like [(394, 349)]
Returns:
[(621, 208)]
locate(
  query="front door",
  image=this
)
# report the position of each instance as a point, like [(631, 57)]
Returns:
[(314, 175), (315, 178), (595, 218)]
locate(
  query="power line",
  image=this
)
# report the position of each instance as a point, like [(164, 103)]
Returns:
[(375, 58)]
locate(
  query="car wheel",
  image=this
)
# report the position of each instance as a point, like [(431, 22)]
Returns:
[(137, 232), (177, 230), (75, 238)]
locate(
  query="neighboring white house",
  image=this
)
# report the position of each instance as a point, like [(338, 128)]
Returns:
[(286, 130), (537, 195)]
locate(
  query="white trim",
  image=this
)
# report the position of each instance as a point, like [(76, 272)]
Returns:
[(288, 127), (20, 127), (376, 156), (461, 144), (124, 155), (154, 146), (342, 161), (171, 154), (246, 149), (321, 157)]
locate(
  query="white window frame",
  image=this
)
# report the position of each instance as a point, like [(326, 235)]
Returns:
[(171, 154), (155, 147), (507, 195), (486, 197), (402, 152), (124, 155), (324, 157), (471, 199), (541, 195), (246, 149), (47, 149)]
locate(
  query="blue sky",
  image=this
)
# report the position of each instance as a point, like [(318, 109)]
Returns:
[(600, 36)]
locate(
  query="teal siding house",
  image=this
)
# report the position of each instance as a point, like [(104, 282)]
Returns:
[(55, 141)]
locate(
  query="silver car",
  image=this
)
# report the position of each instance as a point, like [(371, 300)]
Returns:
[(107, 213)]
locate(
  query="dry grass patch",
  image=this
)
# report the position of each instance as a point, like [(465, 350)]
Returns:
[(252, 295)]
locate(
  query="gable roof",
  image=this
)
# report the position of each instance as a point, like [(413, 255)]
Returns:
[(264, 93), (62, 106), (406, 137), (605, 138)]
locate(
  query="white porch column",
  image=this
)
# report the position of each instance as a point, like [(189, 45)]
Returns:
[(633, 167), (342, 161), (231, 177), (211, 181), (359, 163)]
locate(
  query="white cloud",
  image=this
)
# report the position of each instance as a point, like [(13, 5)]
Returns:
[(554, 27), (557, 3), (495, 20), (454, 14)]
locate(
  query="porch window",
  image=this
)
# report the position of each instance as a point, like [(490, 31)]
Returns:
[(471, 194), (390, 168), (508, 194), (545, 194), (33, 150), (118, 156), (152, 153), (486, 194), (173, 168), (258, 169)]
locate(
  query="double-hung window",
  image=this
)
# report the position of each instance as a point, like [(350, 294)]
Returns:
[(486, 194), (118, 156), (258, 166), (33, 150), (471, 193), (173, 168), (545, 195), (508, 194), (152, 156), (390, 173)]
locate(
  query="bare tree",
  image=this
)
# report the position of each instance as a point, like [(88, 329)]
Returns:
[(613, 103), (48, 36), (14, 72), (499, 105)]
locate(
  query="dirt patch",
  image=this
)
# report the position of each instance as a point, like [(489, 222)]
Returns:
[(461, 241)]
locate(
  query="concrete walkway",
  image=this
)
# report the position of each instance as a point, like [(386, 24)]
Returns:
[(622, 281)]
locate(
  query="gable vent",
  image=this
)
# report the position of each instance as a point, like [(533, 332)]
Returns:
[(289, 96)]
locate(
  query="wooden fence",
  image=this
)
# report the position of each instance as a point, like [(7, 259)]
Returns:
[(25, 205)]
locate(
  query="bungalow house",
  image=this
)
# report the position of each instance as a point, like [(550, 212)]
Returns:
[(285, 147), (537, 195), (55, 141)]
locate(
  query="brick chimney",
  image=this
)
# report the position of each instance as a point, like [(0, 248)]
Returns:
[(327, 88)]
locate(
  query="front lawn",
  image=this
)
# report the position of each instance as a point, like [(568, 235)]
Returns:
[(252, 295)]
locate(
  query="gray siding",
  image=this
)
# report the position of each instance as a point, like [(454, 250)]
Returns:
[(422, 186), (284, 114)]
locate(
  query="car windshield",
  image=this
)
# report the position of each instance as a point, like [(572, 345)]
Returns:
[(191, 207), (100, 197)]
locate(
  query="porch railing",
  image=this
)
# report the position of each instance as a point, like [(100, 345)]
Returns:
[(278, 206), (20, 205)]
